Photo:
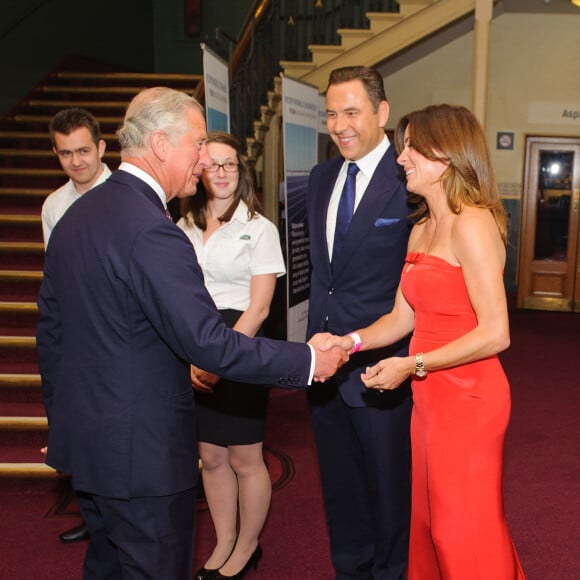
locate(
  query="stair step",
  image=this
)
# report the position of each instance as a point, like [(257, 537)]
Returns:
[(46, 119), (36, 122), (15, 408), (381, 21), (23, 423), (25, 255), (24, 191), (18, 353), (23, 434), (350, 37), (18, 318), (97, 90), (19, 284), (20, 228), (22, 247), (27, 160), (20, 276), (22, 200), (35, 153), (135, 76), (322, 53), (21, 401), (32, 136), (90, 105), (27, 470), (19, 219), (31, 172), (19, 380), (27, 342)]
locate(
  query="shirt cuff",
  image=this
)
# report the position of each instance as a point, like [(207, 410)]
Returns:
[(312, 364)]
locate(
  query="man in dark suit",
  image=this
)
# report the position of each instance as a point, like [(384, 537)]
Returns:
[(123, 311), (362, 437)]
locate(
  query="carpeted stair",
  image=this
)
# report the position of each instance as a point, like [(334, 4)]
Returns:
[(29, 171)]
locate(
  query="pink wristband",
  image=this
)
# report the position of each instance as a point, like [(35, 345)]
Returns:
[(357, 342)]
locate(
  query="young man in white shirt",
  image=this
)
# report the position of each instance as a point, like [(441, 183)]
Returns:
[(76, 140)]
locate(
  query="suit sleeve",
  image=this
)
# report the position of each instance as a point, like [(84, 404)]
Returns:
[(168, 284)]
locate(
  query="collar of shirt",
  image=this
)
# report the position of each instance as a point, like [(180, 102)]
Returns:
[(241, 213), (367, 166), (104, 175), (144, 176)]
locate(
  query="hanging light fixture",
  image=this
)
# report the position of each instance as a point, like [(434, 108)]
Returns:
[(576, 2)]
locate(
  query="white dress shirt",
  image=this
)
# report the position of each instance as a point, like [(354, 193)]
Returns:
[(56, 204)]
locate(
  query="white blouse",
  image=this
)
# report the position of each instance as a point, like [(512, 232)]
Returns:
[(234, 253)]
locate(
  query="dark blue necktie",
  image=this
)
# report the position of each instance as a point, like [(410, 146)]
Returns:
[(345, 209)]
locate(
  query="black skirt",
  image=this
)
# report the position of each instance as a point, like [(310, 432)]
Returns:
[(235, 413)]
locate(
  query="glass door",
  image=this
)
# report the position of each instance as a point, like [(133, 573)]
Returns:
[(549, 260)]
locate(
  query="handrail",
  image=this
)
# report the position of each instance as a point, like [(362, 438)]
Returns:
[(276, 31), (11, 26)]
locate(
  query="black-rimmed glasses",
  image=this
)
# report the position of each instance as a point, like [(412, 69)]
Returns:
[(228, 167)]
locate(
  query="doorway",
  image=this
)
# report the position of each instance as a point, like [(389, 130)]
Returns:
[(549, 257)]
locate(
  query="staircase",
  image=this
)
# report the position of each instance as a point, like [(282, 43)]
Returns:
[(388, 34), (29, 171)]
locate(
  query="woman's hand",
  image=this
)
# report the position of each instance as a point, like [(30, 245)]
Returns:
[(202, 380), (344, 342), (389, 373)]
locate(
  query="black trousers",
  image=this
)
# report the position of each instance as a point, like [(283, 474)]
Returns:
[(364, 456), (139, 538)]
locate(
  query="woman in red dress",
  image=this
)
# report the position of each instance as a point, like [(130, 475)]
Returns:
[(452, 298)]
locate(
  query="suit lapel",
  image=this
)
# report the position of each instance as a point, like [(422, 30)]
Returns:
[(380, 189)]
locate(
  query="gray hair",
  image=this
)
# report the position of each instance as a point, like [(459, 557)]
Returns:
[(157, 108)]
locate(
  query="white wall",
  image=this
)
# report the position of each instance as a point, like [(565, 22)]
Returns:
[(533, 58)]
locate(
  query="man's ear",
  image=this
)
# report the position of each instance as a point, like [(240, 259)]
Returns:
[(159, 144), (101, 146), (383, 113)]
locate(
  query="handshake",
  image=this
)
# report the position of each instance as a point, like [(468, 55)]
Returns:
[(331, 353)]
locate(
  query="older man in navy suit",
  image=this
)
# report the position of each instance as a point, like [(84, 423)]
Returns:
[(358, 219), (123, 311)]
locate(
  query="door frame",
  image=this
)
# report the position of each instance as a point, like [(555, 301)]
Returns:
[(570, 276)]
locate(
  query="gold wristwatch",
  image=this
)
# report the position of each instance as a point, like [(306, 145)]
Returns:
[(420, 366)]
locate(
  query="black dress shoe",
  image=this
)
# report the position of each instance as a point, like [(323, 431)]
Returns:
[(77, 534), (209, 573), (251, 563), (205, 574)]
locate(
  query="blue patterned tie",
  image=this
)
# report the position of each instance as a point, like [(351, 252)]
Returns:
[(345, 209)]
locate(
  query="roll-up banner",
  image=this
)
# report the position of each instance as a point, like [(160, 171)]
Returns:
[(300, 122), (216, 78)]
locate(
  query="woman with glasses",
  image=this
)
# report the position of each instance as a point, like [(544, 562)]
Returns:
[(240, 255)]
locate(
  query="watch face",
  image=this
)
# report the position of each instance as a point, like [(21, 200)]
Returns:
[(421, 373)]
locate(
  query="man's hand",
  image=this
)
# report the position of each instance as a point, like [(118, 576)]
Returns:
[(329, 361), (202, 380)]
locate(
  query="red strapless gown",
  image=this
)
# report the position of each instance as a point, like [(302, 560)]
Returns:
[(460, 416)]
